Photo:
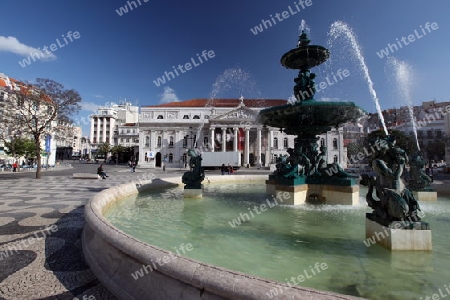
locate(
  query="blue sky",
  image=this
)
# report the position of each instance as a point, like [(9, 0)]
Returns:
[(117, 57)]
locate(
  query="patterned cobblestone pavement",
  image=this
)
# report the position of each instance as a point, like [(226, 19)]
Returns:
[(41, 222)]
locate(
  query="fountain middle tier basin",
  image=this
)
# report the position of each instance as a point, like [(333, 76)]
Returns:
[(152, 262), (310, 116), (304, 58)]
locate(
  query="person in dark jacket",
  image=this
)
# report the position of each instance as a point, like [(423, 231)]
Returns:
[(101, 172)]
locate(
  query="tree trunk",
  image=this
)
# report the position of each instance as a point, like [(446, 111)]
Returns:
[(37, 142)]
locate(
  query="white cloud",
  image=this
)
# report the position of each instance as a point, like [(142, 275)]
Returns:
[(99, 96), (89, 106), (11, 44), (168, 95)]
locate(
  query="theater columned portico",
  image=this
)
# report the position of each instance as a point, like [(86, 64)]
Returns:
[(166, 131)]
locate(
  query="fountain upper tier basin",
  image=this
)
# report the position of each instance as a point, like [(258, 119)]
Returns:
[(310, 116), (305, 58)]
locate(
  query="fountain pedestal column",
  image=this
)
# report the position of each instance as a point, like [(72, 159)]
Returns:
[(193, 193), (425, 195), (394, 237), (315, 193)]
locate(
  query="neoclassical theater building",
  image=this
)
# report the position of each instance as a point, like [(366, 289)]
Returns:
[(167, 130)]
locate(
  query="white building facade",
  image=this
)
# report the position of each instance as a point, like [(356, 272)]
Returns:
[(166, 131), (105, 124)]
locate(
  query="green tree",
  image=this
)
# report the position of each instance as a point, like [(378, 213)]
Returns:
[(435, 150), (116, 150), (20, 147), (354, 148), (104, 149), (39, 109), (403, 140)]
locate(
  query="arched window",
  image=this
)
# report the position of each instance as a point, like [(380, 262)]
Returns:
[(335, 143), (275, 142), (159, 141), (160, 117), (147, 141), (322, 142), (171, 142), (185, 117), (285, 143), (335, 159), (196, 117), (170, 158)]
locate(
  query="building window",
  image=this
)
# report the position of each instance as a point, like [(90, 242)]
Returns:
[(185, 141), (171, 142), (205, 142), (429, 134), (439, 134), (335, 144), (185, 117), (20, 101), (335, 159), (128, 140), (160, 117), (158, 144), (285, 143), (275, 143), (147, 141), (170, 158), (196, 117), (322, 142)]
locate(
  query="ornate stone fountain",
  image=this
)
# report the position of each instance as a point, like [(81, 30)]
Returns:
[(305, 173)]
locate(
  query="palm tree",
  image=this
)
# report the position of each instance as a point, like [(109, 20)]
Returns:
[(116, 150), (105, 148)]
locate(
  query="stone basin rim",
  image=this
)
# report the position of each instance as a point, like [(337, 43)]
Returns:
[(123, 254)]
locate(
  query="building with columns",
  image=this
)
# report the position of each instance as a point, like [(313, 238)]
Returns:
[(104, 124), (166, 131)]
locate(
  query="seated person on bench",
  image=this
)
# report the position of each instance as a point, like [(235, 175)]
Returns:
[(101, 172)]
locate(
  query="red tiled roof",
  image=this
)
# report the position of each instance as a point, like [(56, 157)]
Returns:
[(223, 103), (24, 88)]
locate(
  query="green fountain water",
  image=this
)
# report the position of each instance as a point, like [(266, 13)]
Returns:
[(284, 241)]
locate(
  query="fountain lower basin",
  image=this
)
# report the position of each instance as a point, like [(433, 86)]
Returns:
[(114, 255)]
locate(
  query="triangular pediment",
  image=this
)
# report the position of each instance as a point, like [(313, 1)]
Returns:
[(238, 114)]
